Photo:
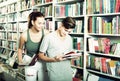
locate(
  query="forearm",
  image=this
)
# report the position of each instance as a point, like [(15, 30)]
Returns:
[(45, 58), (20, 55)]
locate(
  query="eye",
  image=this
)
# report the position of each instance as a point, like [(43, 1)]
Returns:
[(41, 23), (66, 30)]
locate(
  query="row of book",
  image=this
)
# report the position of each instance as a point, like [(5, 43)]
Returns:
[(3, 35), (79, 27), (104, 25), (23, 16), (76, 9), (46, 10), (104, 65), (37, 2), (103, 45), (78, 43), (12, 8), (77, 62), (22, 5), (9, 45), (10, 53), (12, 17), (10, 36), (12, 26), (103, 6), (3, 19), (12, 45), (3, 10), (3, 43)]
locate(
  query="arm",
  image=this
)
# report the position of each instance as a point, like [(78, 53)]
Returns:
[(42, 56), (20, 49), (42, 50)]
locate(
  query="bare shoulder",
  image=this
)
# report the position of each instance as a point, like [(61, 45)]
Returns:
[(24, 35)]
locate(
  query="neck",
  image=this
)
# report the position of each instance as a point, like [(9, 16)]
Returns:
[(59, 35), (34, 30)]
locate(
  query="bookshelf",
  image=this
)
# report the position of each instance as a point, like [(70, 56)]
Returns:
[(102, 36), (13, 21), (96, 34)]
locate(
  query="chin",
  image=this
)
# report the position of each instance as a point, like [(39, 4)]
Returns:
[(63, 35), (38, 29)]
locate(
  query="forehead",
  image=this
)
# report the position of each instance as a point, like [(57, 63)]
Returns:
[(40, 19), (68, 29)]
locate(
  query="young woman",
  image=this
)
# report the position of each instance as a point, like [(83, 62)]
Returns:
[(52, 48), (31, 40)]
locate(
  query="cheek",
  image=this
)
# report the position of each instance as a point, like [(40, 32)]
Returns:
[(65, 33), (38, 25)]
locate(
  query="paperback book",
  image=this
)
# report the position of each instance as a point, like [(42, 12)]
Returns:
[(27, 60), (71, 55)]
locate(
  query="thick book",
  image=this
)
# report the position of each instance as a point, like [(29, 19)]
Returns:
[(71, 55)]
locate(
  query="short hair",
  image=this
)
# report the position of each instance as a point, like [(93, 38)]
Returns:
[(33, 16), (69, 23)]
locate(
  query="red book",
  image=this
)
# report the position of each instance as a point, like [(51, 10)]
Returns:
[(62, 11), (76, 79), (90, 24), (104, 66), (117, 6)]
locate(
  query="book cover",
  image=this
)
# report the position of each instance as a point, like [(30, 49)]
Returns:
[(103, 65), (27, 60), (112, 64), (117, 69)]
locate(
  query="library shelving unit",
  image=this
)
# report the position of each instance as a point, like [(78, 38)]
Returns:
[(13, 21), (103, 38), (96, 34)]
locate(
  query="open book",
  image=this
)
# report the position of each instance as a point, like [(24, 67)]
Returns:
[(71, 54)]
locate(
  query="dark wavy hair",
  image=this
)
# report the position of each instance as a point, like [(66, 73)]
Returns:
[(33, 16), (69, 23)]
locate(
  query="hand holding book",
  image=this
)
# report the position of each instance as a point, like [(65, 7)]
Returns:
[(30, 61), (71, 55)]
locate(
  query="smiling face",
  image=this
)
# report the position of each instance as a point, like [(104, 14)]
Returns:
[(39, 23), (63, 31)]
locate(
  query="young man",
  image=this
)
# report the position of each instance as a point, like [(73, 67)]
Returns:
[(53, 47)]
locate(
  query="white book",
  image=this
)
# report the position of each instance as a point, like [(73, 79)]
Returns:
[(71, 55)]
